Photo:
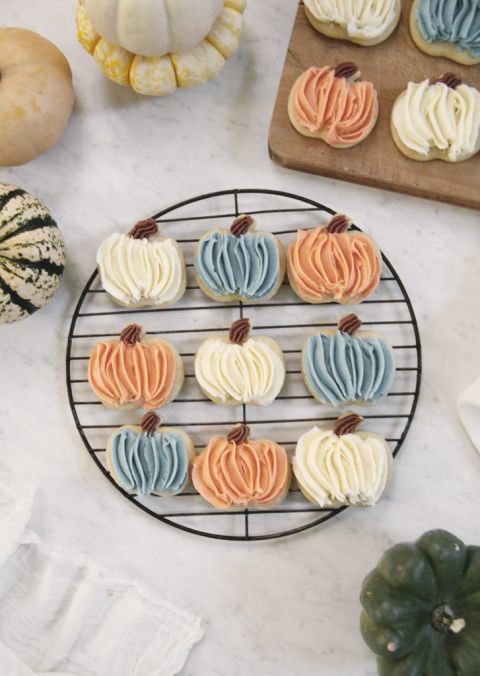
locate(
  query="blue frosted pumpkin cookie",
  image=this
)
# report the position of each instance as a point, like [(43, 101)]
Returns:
[(449, 28), (150, 460), (240, 263), (348, 366)]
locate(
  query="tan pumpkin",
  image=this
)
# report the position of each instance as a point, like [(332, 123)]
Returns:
[(37, 95), (156, 46)]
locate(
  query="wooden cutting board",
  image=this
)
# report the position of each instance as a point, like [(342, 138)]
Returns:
[(376, 161)]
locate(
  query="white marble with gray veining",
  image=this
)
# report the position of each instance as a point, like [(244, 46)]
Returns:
[(285, 608)]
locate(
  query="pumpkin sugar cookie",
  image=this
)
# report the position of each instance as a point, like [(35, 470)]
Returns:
[(135, 371), (364, 22), (334, 105), (236, 471), (437, 120), (341, 466), (149, 459), (239, 368), (142, 269), (448, 29), (347, 365), (334, 263), (240, 264)]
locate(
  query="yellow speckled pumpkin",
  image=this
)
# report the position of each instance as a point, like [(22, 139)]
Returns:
[(156, 46)]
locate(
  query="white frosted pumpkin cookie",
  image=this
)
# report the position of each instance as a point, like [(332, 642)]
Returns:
[(438, 120), (340, 466), (240, 369), (334, 105), (142, 269), (347, 365), (448, 29), (135, 371), (240, 264), (364, 22), (149, 459)]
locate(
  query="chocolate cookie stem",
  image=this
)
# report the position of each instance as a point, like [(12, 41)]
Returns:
[(150, 422), (241, 225), (347, 424), (131, 334), (339, 223), (144, 229), (239, 434), (239, 331), (349, 324), (348, 69), (450, 79)]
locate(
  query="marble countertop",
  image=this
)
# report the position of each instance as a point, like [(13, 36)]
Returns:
[(287, 607)]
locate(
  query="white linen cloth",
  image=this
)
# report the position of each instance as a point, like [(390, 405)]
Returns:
[(59, 617), (469, 411)]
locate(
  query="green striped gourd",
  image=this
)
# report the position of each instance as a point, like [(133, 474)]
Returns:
[(32, 254)]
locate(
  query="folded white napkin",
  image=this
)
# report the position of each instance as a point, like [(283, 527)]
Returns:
[(469, 411), (62, 618)]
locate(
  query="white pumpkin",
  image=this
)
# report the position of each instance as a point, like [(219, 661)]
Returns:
[(154, 27), (156, 46)]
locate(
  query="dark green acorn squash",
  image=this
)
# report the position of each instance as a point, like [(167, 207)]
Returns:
[(421, 608)]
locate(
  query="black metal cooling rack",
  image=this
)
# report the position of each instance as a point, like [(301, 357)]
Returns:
[(97, 317)]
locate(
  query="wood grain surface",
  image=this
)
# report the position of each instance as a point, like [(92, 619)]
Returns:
[(376, 161)]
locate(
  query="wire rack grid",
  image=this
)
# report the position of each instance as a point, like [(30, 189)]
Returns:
[(285, 318)]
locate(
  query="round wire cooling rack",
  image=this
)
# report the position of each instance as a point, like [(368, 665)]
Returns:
[(286, 318)]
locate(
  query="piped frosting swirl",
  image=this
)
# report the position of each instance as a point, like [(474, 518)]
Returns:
[(249, 473), (437, 117), (343, 112), (453, 21), (149, 462), (337, 470), (361, 19)]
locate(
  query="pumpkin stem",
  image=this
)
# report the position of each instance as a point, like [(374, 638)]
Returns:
[(339, 223), (347, 423), (150, 422), (349, 324), (241, 225), (239, 331), (449, 79), (239, 434), (131, 334), (144, 229), (348, 70), (443, 620)]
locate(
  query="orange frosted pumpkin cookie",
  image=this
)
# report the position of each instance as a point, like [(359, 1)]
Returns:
[(334, 263), (235, 471), (333, 105), (135, 371)]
